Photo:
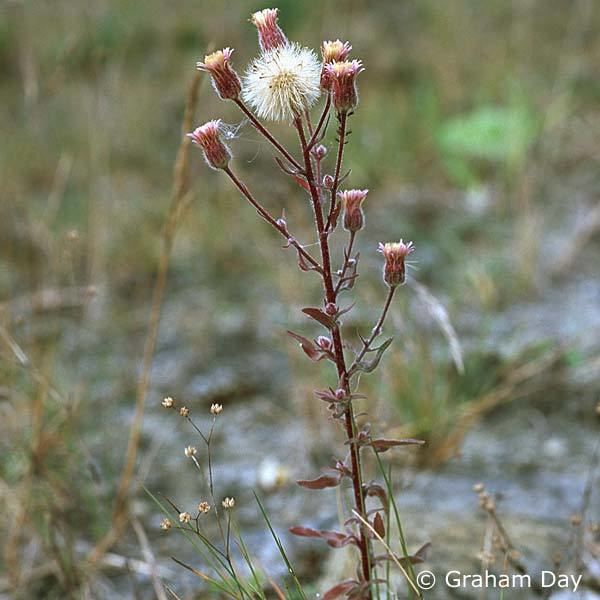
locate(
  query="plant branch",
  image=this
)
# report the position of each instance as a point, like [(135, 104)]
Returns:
[(376, 330), (271, 220), (347, 258), (267, 134), (342, 117), (315, 135)]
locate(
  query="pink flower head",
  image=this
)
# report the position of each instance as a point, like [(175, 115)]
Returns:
[(352, 200), (225, 80), (332, 52), (342, 77), (208, 137), (270, 35), (394, 253)]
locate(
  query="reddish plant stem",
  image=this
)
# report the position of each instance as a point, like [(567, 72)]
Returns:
[(342, 117), (267, 134), (330, 296), (271, 220), (317, 131), (316, 160), (377, 329)]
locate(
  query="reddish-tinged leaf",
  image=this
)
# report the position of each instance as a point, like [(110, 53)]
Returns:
[(320, 483), (326, 395), (376, 490), (382, 445), (421, 554), (371, 365), (378, 525), (363, 591), (304, 531), (339, 589), (301, 182), (309, 348), (343, 311), (320, 316), (335, 539)]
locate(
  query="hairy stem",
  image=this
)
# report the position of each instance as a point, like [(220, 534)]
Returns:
[(330, 296)]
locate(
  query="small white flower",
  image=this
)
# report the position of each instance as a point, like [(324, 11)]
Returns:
[(283, 82), (228, 503), (190, 451)]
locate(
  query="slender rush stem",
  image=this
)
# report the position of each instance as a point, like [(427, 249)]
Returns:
[(267, 134), (330, 296), (271, 220), (342, 117), (377, 329)]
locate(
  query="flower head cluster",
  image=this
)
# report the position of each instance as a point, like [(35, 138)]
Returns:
[(394, 269), (282, 83), (352, 200), (270, 35), (228, 503), (216, 409), (225, 80), (208, 137), (331, 52), (203, 507), (342, 80), (190, 451)]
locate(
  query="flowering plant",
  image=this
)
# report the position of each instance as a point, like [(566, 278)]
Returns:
[(282, 84)]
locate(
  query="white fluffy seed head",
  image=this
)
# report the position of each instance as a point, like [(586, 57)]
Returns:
[(283, 82)]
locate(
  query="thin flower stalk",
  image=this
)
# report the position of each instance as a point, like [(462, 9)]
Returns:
[(342, 118)]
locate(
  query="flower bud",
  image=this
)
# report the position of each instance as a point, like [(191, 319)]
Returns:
[(394, 253), (270, 35), (324, 343), (328, 182), (208, 137), (332, 52), (319, 151), (354, 218), (225, 80), (331, 309), (340, 394), (343, 84)]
